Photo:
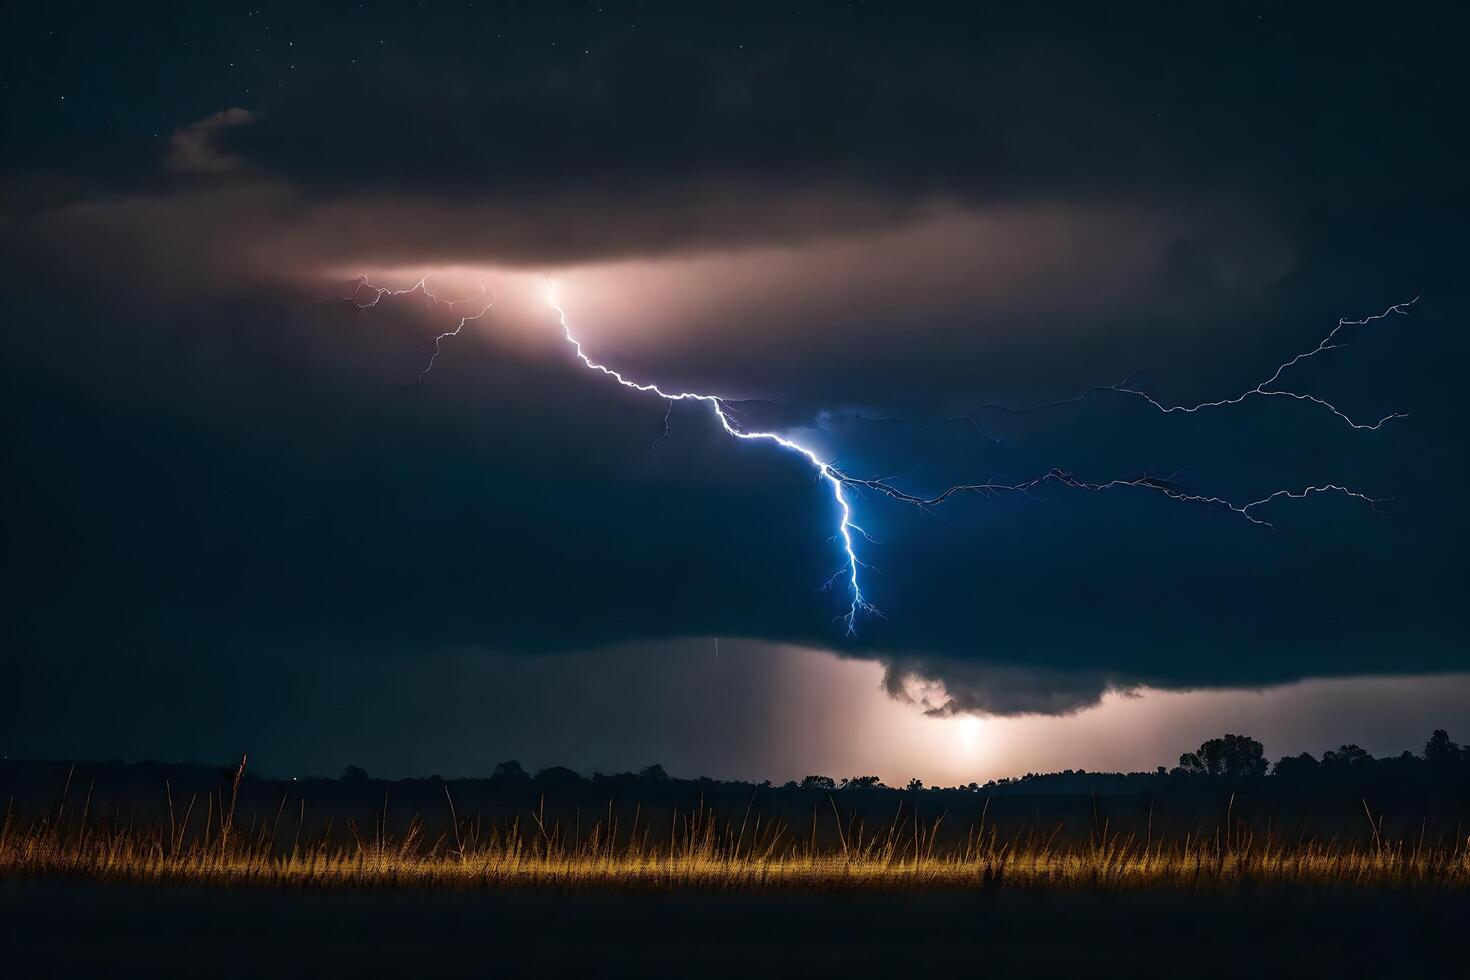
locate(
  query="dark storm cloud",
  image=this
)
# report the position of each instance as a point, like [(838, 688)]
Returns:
[(514, 137), (649, 116), (982, 105), (212, 474), (293, 477), (290, 485)]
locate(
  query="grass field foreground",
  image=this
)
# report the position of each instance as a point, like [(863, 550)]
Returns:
[(695, 850)]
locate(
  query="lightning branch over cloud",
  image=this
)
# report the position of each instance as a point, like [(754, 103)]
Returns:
[(842, 483), (1265, 389), (1146, 482), (362, 285)]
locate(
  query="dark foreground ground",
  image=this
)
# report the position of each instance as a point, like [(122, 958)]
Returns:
[(88, 929)]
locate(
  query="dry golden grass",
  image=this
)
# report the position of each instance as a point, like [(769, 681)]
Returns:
[(695, 851)]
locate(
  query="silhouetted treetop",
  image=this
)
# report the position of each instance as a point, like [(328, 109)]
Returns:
[(1231, 755), (1346, 755), (862, 782), (558, 774), (510, 769), (1440, 751)]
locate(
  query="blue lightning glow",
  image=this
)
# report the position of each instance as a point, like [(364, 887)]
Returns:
[(834, 478), (840, 483)]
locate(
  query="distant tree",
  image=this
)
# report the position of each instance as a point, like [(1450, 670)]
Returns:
[(558, 774), (1231, 755), (819, 782), (1440, 751), (915, 784), (1346, 755), (1295, 766), (510, 769), (655, 773), (862, 782), (354, 774)]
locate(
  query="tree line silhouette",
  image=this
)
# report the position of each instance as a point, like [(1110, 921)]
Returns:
[(1424, 795), (1228, 756)]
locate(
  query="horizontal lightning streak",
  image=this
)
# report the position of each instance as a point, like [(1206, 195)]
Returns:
[(1063, 478), (1265, 389)]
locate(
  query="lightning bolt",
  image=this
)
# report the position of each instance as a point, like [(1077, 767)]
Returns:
[(840, 482), (1265, 389), (836, 480), (362, 284), (1166, 488)]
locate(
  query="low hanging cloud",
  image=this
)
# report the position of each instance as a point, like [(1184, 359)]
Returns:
[(194, 149)]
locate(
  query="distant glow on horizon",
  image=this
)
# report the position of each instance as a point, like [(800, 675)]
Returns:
[(971, 729), (1133, 731)]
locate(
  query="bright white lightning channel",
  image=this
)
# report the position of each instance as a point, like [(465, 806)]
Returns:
[(833, 477), (840, 482)]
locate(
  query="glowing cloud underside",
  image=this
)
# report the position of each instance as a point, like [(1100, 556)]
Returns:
[(840, 482)]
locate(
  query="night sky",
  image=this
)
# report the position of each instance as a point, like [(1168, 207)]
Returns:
[(239, 515)]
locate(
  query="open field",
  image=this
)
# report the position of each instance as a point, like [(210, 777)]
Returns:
[(1110, 866), (696, 850), (102, 876)]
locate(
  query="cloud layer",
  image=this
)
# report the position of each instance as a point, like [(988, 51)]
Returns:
[(863, 221)]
